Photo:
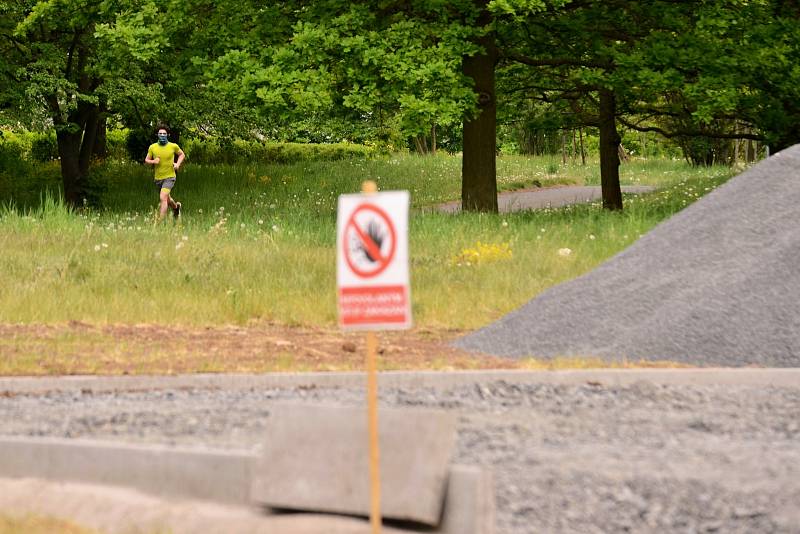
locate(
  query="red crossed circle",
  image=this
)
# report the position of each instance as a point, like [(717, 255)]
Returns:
[(367, 242)]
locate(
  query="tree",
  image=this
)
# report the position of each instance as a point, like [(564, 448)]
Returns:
[(68, 61), (478, 167), (646, 65), (405, 67)]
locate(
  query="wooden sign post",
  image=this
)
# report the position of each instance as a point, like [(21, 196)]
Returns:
[(374, 290)]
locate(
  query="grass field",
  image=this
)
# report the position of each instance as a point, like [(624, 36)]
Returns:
[(256, 245), (255, 242)]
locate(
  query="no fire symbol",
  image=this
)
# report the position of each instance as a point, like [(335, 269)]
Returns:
[(369, 241)]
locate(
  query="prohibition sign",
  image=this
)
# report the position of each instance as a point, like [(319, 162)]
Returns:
[(364, 243)]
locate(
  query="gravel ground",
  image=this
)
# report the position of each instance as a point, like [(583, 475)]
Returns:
[(566, 458), (717, 284)]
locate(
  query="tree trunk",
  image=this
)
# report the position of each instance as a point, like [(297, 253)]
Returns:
[(76, 142), (69, 148), (433, 139), (100, 149), (89, 137), (609, 152), (419, 143), (574, 147), (478, 165), (583, 151)]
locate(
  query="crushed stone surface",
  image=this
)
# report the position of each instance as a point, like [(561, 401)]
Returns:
[(565, 458), (718, 284)]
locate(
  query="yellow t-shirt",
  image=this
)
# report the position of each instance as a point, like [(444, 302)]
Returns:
[(166, 153)]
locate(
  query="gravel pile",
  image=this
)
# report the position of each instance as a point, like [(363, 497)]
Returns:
[(718, 284), (573, 459)]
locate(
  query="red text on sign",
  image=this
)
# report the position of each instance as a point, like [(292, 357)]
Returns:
[(372, 305)]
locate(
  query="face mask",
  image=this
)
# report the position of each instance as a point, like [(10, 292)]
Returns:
[(162, 139)]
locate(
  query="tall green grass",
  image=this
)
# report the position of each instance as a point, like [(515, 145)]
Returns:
[(257, 243)]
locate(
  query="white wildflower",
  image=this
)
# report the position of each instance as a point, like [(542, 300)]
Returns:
[(564, 251)]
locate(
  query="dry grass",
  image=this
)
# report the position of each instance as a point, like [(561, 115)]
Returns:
[(33, 524), (81, 348)]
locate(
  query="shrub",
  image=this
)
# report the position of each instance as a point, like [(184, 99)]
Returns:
[(212, 151), (44, 148), (12, 155), (116, 144), (137, 143)]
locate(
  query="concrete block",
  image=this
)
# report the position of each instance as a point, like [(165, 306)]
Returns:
[(221, 476), (316, 458), (469, 507)]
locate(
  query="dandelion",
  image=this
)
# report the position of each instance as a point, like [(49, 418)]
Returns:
[(261, 221), (199, 210), (591, 237), (564, 251), (185, 238), (179, 245), (105, 245), (243, 225), (274, 227), (542, 230), (505, 224), (97, 248)]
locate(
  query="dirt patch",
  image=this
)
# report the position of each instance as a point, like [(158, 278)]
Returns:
[(81, 348)]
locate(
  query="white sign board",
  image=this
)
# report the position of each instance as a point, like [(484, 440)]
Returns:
[(372, 261)]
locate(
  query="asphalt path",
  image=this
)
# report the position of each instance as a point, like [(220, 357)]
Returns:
[(548, 197)]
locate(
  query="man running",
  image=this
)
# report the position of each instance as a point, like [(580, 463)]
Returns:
[(162, 156)]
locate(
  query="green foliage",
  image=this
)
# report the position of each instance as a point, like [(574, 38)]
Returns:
[(44, 148), (137, 142), (226, 152)]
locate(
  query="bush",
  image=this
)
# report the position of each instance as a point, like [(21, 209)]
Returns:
[(116, 144), (215, 151), (136, 144), (44, 148), (12, 155), (21, 181)]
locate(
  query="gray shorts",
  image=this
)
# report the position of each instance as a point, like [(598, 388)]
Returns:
[(166, 183)]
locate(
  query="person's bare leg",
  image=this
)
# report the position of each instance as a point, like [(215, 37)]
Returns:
[(164, 206)]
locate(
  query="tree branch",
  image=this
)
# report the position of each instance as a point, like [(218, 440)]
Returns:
[(70, 54), (689, 133), (558, 62)]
